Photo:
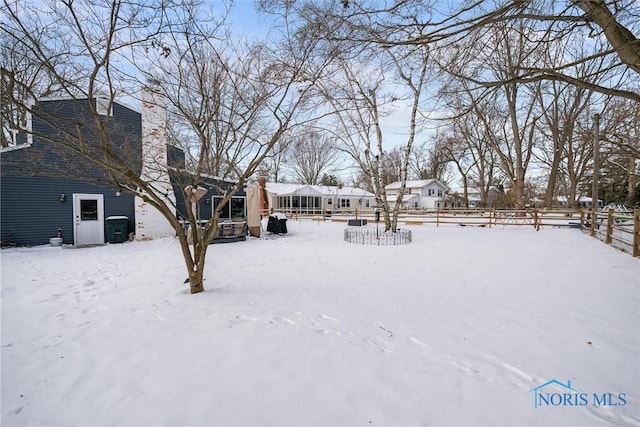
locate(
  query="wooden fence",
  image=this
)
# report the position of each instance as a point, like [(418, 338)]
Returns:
[(620, 229), (465, 217)]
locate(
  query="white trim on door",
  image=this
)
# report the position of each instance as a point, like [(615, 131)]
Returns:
[(88, 219)]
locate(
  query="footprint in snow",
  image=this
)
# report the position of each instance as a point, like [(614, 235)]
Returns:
[(418, 344), (377, 345), (320, 327), (281, 320), (241, 318)]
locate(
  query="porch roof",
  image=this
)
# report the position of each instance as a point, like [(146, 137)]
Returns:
[(280, 189)]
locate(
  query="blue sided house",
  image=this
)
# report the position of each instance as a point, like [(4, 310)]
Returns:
[(48, 191)]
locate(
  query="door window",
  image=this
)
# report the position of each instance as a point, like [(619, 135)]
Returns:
[(88, 210)]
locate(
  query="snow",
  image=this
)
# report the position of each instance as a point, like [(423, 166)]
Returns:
[(455, 328), (279, 215)]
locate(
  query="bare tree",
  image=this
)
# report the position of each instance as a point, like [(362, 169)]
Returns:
[(622, 128), (419, 162), (504, 51), (577, 164), (391, 165), (109, 46), (358, 108), (455, 24), (359, 112), (274, 164), (311, 155), (438, 160), (457, 151), (561, 106), (360, 98), (240, 102), (621, 135), (18, 64), (358, 127)]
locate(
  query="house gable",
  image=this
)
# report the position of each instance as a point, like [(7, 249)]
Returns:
[(51, 119), (419, 194), (418, 187)]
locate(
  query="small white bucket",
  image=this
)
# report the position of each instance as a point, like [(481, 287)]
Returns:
[(55, 241)]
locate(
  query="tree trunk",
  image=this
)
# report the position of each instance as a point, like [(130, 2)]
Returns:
[(465, 189), (196, 281), (621, 39), (631, 188), (194, 258)]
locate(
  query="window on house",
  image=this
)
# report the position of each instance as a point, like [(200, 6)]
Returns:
[(439, 193), (235, 208), (103, 107), (367, 203), (430, 192), (16, 126), (284, 202), (345, 203)]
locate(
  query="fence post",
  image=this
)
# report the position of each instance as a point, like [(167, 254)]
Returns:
[(609, 237), (437, 217), (636, 232), (582, 226), (536, 224)]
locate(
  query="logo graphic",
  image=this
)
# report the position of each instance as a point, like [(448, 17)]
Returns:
[(556, 393)]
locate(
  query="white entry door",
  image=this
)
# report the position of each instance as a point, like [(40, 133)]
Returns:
[(88, 217)]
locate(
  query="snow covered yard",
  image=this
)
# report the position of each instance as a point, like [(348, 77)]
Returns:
[(456, 328)]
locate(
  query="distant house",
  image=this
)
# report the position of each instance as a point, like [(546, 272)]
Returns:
[(420, 194), (44, 188), (582, 202), (318, 199), (473, 197)]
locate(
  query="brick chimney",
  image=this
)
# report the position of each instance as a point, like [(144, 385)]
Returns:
[(150, 223)]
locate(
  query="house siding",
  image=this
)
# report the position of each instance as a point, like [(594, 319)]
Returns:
[(205, 206), (31, 211), (33, 177)]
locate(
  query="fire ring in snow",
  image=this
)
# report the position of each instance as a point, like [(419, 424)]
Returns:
[(375, 236)]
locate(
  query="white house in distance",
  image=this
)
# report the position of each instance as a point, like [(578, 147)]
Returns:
[(317, 199), (583, 201), (420, 194)]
